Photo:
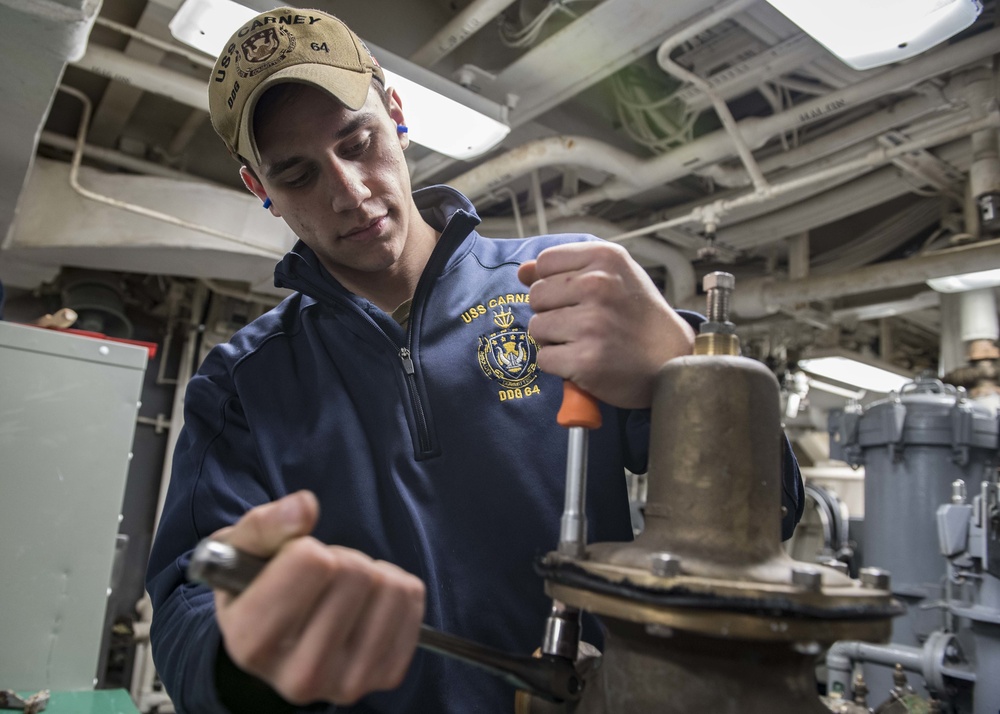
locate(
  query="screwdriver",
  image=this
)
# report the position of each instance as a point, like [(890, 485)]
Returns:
[(578, 413)]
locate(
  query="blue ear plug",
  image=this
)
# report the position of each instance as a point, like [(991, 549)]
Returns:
[(402, 128), (267, 202)]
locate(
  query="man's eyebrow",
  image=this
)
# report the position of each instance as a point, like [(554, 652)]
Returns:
[(357, 121)]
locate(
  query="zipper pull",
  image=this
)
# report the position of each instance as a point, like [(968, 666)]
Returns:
[(404, 354)]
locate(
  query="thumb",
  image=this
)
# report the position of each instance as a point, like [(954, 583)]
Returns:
[(264, 529), (528, 272)]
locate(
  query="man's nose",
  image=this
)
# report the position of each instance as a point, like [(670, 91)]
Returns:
[(348, 187)]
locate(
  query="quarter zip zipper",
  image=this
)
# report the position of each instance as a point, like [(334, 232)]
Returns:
[(453, 235), (423, 434)]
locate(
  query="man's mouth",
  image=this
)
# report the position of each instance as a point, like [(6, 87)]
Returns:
[(367, 230)]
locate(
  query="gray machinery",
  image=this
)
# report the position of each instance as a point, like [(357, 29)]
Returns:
[(704, 611), (921, 449)]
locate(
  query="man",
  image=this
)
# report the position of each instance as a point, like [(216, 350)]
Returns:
[(387, 434)]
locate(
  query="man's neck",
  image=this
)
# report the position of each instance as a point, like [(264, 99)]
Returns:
[(391, 288)]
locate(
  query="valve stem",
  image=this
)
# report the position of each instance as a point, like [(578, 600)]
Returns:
[(717, 335)]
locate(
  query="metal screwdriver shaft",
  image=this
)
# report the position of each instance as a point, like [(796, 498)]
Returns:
[(578, 413)]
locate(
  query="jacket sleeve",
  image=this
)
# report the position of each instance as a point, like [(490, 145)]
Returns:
[(215, 479)]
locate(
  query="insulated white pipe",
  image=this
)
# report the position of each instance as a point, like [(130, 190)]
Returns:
[(757, 298), (147, 77), (465, 24), (551, 151), (632, 175), (979, 315), (681, 279), (897, 115), (711, 213), (711, 18), (117, 158), (133, 208), (717, 146)]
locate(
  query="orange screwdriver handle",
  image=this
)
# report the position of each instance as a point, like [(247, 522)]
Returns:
[(578, 408)]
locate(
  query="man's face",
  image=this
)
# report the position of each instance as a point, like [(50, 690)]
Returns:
[(338, 178)]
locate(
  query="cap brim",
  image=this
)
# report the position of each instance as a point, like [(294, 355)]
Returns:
[(349, 87)]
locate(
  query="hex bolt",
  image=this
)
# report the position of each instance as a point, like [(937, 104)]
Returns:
[(958, 491), (807, 578), (719, 288), (874, 578), (665, 565), (838, 565)]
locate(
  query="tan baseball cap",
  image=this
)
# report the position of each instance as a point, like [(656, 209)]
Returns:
[(285, 45)]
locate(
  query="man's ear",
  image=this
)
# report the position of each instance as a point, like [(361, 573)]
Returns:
[(396, 114), (255, 187)]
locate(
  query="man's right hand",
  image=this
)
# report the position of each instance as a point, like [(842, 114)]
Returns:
[(320, 622)]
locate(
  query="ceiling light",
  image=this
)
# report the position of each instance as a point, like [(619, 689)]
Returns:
[(966, 282), (871, 33), (856, 370), (441, 115)]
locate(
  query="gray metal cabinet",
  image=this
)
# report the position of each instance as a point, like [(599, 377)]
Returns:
[(68, 407)]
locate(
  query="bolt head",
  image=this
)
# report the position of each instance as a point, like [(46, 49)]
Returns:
[(874, 578), (718, 280), (807, 578), (665, 565)]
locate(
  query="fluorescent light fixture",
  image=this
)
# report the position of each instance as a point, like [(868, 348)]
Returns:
[(441, 115), (966, 282), (871, 33), (856, 370)]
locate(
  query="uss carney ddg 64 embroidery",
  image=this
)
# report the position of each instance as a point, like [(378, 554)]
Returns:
[(508, 355)]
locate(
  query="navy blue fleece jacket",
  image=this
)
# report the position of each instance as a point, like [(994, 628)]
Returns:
[(434, 447)]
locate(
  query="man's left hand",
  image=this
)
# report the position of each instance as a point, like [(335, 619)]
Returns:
[(600, 321)]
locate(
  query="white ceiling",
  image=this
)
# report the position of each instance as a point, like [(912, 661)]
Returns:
[(616, 145)]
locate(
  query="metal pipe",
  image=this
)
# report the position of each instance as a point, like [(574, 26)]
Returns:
[(757, 298), (711, 213), (681, 280), (193, 57), (117, 158), (147, 77), (717, 146), (464, 25), (841, 656), (140, 210), (539, 200), (979, 315), (709, 19)]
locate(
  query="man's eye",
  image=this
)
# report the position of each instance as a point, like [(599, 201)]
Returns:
[(358, 148), (298, 179)]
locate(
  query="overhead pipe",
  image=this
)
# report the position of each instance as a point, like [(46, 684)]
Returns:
[(193, 57), (711, 213), (133, 208), (632, 175), (148, 77), (900, 114), (464, 25), (681, 280), (709, 19), (579, 151), (766, 296), (117, 158), (757, 131)]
